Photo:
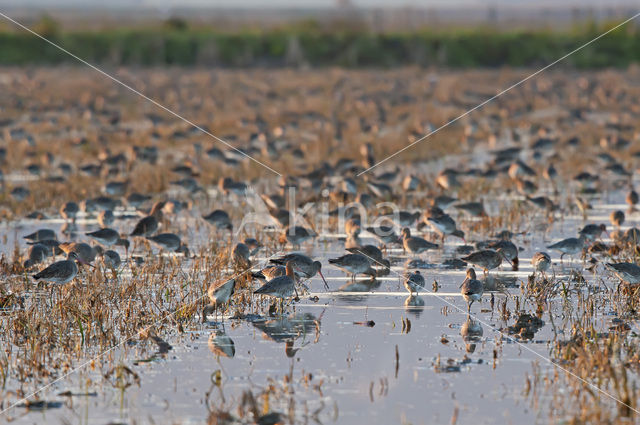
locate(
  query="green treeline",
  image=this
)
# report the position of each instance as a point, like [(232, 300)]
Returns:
[(310, 45)]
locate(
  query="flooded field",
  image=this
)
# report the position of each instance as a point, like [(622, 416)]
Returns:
[(127, 342)]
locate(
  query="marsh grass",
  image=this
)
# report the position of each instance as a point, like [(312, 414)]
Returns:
[(48, 331)]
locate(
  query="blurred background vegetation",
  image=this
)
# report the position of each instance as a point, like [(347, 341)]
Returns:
[(175, 41)]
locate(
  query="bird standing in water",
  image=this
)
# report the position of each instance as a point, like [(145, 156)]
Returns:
[(569, 246), (414, 244), (148, 225), (60, 272), (488, 259), (354, 264), (219, 293), (471, 289), (414, 282), (540, 262), (281, 286), (304, 266)]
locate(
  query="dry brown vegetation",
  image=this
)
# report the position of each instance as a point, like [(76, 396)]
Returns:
[(70, 116)]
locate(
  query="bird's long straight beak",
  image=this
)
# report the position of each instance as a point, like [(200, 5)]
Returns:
[(326, 285), (463, 282)]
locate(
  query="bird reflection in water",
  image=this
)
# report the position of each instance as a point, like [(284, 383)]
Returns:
[(471, 332), (221, 345), (367, 285), (414, 304), (288, 329)]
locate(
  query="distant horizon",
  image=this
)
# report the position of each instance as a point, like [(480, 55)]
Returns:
[(314, 4)]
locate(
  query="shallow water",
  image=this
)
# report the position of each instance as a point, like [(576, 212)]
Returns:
[(356, 377)]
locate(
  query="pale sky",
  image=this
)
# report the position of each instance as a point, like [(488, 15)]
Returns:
[(319, 3)]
